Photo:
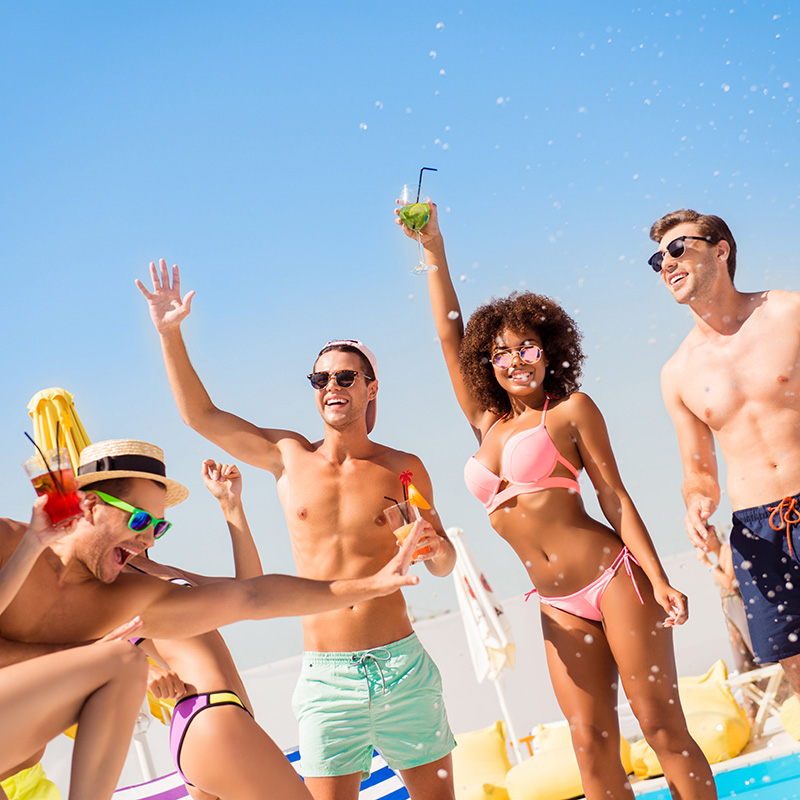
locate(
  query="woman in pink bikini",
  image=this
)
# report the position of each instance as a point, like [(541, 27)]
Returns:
[(606, 604)]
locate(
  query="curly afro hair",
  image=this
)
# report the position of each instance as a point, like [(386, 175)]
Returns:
[(520, 311)]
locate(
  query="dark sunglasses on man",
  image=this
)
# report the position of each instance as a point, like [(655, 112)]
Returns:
[(343, 377), (676, 248)]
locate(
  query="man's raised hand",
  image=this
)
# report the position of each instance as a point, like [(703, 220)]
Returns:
[(167, 308)]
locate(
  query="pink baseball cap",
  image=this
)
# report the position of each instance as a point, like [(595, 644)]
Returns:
[(355, 344)]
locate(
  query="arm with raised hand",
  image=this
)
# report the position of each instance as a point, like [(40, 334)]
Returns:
[(446, 314), (233, 434), (224, 481), (700, 487)]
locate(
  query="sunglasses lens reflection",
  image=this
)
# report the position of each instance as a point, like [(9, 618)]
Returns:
[(676, 248), (530, 355), (161, 528), (344, 378), (139, 520)]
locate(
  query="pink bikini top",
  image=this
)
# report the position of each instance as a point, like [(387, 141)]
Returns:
[(529, 458)]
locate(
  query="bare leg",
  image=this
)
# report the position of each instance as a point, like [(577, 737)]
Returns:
[(432, 781), (199, 794), (341, 787), (791, 666), (228, 755), (643, 650), (584, 678), (99, 686)]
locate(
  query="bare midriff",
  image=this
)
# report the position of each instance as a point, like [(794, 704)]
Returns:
[(560, 545)]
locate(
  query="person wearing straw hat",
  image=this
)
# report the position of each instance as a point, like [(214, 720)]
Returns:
[(333, 492), (75, 592), (98, 686)]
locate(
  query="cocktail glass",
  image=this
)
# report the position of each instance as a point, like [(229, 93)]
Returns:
[(415, 215), (402, 517), (52, 476)]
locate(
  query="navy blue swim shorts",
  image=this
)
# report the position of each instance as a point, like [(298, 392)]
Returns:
[(767, 566)]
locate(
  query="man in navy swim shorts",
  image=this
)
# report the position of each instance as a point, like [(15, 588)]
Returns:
[(736, 378)]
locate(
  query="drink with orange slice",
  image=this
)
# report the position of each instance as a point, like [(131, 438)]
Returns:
[(402, 517)]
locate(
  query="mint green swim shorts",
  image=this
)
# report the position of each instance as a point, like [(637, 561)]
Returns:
[(389, 698)]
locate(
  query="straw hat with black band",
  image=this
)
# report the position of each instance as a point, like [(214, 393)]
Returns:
[(128, 458)]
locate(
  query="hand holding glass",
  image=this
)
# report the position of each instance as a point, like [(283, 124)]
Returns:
[(415, 215), (402, 518), (55, 479)]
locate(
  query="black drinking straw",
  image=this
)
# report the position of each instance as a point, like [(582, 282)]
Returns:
[(46, 465), (399, 505), (419, 185)]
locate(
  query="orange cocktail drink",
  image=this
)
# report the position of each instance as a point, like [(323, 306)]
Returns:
[(402, 517)]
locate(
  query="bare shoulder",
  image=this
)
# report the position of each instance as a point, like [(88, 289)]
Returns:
[(286, 439), (396, 460), (676, 364), (576, 404), (781, 302)]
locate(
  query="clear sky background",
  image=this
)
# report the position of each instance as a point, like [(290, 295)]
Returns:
[(261, 146)]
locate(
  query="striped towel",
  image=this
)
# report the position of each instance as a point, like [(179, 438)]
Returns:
[(382, 784)]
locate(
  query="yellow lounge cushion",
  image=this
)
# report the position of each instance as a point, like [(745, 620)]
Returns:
[(552, 772), (790, 717), (715, 720), (480, 764)]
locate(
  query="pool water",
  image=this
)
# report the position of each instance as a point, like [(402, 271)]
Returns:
[(778, 779)]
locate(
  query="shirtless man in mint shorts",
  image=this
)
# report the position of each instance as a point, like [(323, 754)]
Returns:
[(366, 681), (736, 378)]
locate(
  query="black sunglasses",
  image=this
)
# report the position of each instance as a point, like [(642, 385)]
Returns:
[(343, 377), (676, 248)]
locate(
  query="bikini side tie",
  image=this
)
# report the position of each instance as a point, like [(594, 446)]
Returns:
[(375, 657), (784, 510), (626, 557)]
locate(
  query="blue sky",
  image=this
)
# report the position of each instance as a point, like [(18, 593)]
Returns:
[(261, 146)]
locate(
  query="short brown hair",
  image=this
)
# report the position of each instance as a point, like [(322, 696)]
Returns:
[(712, 227), (561, 342), (346, 348)]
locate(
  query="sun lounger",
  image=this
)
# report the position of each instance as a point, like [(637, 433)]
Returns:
[(766, 699)]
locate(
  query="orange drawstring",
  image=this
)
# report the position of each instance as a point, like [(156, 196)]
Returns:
[(784, 510)]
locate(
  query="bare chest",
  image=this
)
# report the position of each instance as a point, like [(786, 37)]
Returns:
[(335, 515), (755, 372), (44, 611)]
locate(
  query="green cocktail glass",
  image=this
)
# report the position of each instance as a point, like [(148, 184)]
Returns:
[(415, 215)]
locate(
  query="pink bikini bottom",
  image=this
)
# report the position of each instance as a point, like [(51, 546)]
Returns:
[(586, 602)]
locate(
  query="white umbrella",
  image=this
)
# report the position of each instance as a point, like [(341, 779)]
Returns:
[(491, 645)]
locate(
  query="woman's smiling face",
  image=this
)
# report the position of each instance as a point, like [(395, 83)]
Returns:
[(525, 372)]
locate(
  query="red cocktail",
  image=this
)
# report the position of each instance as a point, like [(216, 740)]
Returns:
[(57, 482)]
